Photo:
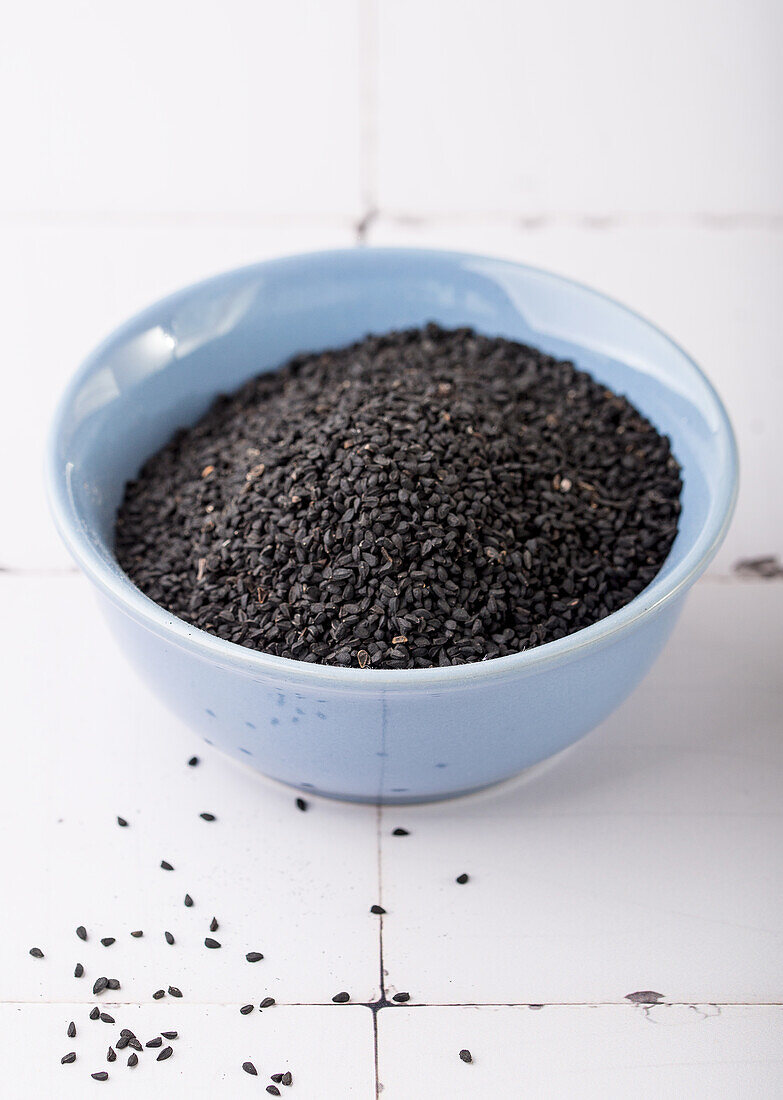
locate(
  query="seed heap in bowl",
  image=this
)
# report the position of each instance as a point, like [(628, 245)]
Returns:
[(420, 498)]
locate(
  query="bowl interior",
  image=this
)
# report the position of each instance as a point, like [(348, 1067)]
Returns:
[(162, 369)]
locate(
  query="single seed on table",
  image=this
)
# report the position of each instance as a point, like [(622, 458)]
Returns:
[(156, 996), (301, 804), (462, 879), (208, 817), (276, 1077), (169, 937), (71, 1032), (245, 1009), (137, 935), (466, 1056), (81, 932), (78, 971), (341, 998), (378, 910), (254, 956), (213, 925), (164, 1054), (209, 942), (113, 983), (188, 900), (400, 832), (99, 986), (107, 941), (169, 1034), (287, 1078), (126, 1033), (156, 1042), (135, 1043), (67, 1059), (133, 1059), (401, 998), (273, 1090), (267, 1002), (174, 991), (102, 1075), (107, 1019), (111, 1055), (95, 1013), (166, 865), (193, 761), (248, 1067), (36, 952), (122, 1042), (121, 822)]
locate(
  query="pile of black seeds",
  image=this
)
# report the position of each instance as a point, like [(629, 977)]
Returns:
[(420, 498)]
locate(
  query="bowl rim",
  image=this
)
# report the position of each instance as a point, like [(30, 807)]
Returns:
[(125, 595)]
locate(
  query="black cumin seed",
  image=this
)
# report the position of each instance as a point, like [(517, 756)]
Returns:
[(377, 909), (133, 1059), (273, 1090), (267, 1002), (166, 865), (102, 1075), (245, 1009), (174, 991), (169, 937), (462, 879), (113, 983), (466, 1056), (95, 1013), (164, 1054), (135, 1044), (122, 1042), (208, 817), (209, 942), (254, 956), (156, 1042), (169, 1034), (81, 932), (276, 1077), (99, 986), (341, 998), (111, 1055), (193, 761), (67, 1059), (188, 900), (126, 1033), (107, 1019), (137, 935), (248, 1067), (400, 832), (301, 804), (71, 1032), (122, 822), (401, 998), (36, 952), (213, 925), (156, 996), (78, 971), (287, 1078), (107, 941)]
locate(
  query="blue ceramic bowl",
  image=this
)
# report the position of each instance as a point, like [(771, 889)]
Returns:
[(375, 735)]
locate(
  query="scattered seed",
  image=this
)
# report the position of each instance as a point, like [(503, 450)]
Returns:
[(341, 998), (188, 900), (71, 1032), (107, 1019), (135, 1044), (133, 1059), (126, 1033), (208, 817), (254, 956), (164, 1054), (166, 865), (169, 937), (401, 998), (466, 1056), (273, 1090), (193, 761), (400, 832), (81, 932), (111, 1055), (287, 1078), (102, 1075), (301, 804), (36, 952), (267, 1002), (276, 1077), (213, 925), (157, 1042), (462, 879), (113, 983), (95, 1013), (156, 996), (122, 822), (137, 935), (67, 1059), (169, 1034), (248, 1067), (107, 941), (122, 1042), (174, 991), (78, 971), (245, 1009), (378, 910), (99, 986), (209, 942)]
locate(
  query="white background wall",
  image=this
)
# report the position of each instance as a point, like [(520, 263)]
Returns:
[(636, 148)]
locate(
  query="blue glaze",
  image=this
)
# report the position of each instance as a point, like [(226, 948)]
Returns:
[(377, 735)]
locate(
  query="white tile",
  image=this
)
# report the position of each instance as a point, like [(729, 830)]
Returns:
[(584, 1051), (717, 291), (84, 741), (649, 857), (566, 106), (179, 107), (64, 286), (329, 1051)]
